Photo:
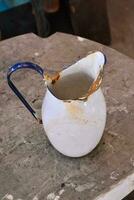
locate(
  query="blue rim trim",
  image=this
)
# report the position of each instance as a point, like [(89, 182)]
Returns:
[(105, 59), (14, 68)]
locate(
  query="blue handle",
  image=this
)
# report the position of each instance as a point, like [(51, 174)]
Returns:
[(23, 65)]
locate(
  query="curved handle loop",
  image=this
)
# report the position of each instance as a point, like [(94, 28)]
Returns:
[(24, 65)]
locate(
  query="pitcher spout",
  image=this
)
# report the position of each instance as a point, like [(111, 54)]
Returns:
[(93, 64)]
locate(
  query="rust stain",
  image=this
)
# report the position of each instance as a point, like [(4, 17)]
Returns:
[(55, 78), (77, 112), (94, 87), (96, 84), (52, 78), (74, 110)]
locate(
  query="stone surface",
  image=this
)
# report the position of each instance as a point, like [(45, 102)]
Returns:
[(30, 168)]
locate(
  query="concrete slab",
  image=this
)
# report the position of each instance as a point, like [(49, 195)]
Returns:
[(30, 168)]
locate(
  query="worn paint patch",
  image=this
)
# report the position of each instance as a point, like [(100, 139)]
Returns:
[(57, 198), (61, 192), (35, 198), (81, 39), (71, 185), (36, 54), (86, 186), (114, 175), (113, 133), (119, 108), (51, 196), (8, 197)]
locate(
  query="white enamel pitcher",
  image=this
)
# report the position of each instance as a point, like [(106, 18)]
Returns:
[(74, 108)]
